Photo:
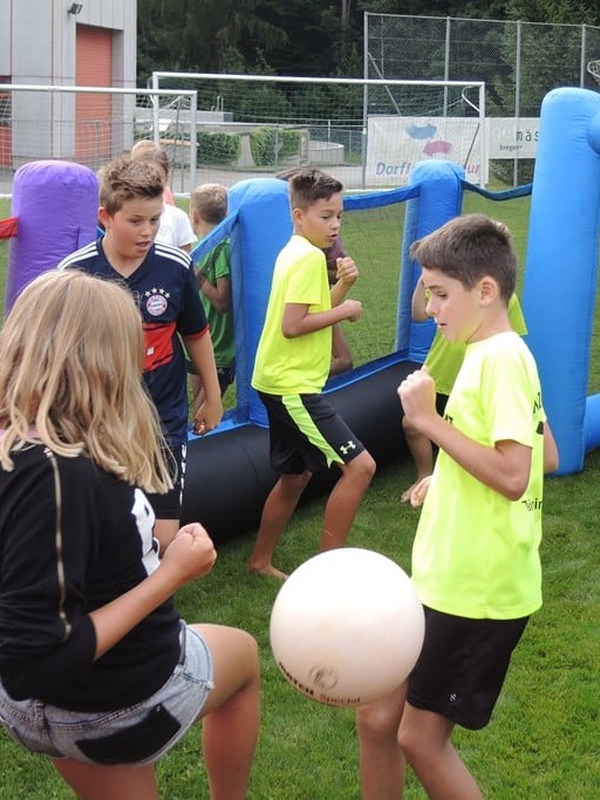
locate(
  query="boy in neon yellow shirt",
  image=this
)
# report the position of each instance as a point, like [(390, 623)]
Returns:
[(443, 361), (292, 364), (475, 559)]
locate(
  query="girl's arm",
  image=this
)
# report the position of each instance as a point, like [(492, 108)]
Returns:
[(190, 555)]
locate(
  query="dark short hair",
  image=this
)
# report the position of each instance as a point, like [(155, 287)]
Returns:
[(307, 186), (467, 249)]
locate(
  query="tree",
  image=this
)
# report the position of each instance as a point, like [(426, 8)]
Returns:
[(207, 36)]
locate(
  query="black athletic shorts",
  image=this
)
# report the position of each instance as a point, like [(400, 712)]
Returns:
[(307, 433), (168, 506), (462, 666)]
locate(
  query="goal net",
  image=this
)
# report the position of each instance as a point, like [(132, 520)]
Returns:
[(367, 132), (91, 125)]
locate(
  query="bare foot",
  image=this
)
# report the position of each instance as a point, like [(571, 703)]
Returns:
[(269, 570), (405, 496)]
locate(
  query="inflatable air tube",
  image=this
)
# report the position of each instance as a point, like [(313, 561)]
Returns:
[(228, 475), (56, 203), (559, 287), (440, 199)]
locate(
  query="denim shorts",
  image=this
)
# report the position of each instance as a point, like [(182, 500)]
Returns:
[(139, 734)]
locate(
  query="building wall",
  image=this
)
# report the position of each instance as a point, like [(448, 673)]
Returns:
[(49, 46), (5, 28)]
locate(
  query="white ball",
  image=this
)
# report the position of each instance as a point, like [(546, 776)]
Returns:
[(347, 627)]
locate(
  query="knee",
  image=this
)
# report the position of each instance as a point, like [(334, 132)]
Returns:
[(295, 484), (410, 743), (249, 654), (365, 467), (376, 723)]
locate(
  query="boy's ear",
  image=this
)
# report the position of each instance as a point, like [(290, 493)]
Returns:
[(104, 216), (488, 290), (297, 214)]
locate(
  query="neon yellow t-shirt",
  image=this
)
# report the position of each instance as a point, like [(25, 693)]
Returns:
[(299, 365), (444, 358), (476, 553)]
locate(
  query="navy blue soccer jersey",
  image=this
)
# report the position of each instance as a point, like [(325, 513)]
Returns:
[(167, 294)]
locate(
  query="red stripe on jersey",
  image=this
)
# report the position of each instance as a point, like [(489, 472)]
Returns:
[(159, 344)]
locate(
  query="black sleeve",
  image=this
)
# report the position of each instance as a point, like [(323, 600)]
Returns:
[(48, 516)]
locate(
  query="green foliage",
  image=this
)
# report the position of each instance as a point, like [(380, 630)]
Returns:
[(270, 145), (503, 169), (217, 148), (542, 741), (312, 37)]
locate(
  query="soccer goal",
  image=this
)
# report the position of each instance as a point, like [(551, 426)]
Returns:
[(368, 132), (593, 68)]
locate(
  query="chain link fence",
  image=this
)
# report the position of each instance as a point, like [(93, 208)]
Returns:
[(519, 62), (91, 125)]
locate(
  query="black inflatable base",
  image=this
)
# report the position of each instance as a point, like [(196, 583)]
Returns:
[(228, 475)]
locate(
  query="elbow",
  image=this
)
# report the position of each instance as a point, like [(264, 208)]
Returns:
[(515, 487), (290, 331)]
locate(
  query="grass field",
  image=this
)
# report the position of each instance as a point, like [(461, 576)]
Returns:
[(543, 740)]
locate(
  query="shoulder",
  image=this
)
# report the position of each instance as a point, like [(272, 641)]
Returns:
[(83, 255), (505, 358), (38, 465), (173, 256), (300, 250)]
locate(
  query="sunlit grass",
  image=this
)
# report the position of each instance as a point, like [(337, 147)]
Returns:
[(543, 739)]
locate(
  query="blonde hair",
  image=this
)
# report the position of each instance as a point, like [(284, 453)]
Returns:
[(145, 150), (209, 201), (71, 356)]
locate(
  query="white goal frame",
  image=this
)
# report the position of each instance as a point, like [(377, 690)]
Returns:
[(365, 83)]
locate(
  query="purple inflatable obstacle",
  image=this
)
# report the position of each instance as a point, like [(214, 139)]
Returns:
[(56, 203)]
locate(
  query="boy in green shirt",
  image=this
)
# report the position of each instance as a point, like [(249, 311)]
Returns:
[(292, 364), (475, 560), (208, 207)]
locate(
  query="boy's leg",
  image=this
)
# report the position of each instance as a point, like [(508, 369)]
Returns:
[(277, 511), (381, 759), (167, 507), (345, 499), (424, 738), (421, 451), (231, 715)]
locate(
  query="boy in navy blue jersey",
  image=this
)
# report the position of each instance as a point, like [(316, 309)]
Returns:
[(161, 279)]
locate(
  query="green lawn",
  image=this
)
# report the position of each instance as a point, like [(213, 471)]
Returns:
[(543, 740)]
